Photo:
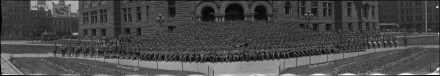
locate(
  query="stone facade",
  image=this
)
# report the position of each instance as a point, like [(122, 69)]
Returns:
[(16, 23), (193, 11)]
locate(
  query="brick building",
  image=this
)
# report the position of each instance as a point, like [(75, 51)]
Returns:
[(410, 14), (109, 18), (16, 23), (44, 21)]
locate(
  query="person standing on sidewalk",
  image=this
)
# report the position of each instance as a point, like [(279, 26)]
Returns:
[(55, 50), (405, 40)]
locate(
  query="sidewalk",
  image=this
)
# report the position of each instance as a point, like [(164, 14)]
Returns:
[(269, 67), (8, 68)]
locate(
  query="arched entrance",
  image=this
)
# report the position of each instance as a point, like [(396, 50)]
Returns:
[(234, 12), (260, 13), (208, 14)]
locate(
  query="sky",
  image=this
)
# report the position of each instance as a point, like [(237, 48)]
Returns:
[(74, 4)]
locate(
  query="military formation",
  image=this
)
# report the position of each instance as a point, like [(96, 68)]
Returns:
[(228, 42)]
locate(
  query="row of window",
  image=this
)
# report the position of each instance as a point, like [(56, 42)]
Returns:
[(16, 2), (10, 33), (387, 18), (418, 10), (93, 32), (93, 15), (327, 8), (63, 28), (367, 25), (59, 22), (388, 4), (15, 26), (419, 18), (15, 17), (127, 13), (15, 9)]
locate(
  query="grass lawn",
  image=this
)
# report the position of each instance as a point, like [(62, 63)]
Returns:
[(52, 42), (19, 49), (38, 67), (421, 64), (306, 70), (408, 34), (33, 66)]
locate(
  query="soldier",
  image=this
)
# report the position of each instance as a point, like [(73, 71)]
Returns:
[(405, 40), (55, 51)]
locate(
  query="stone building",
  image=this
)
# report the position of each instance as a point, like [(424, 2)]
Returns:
[(16, 23), (110, 18), (44, 21), (410, 14)]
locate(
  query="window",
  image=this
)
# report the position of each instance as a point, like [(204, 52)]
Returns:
[(368, 26), (139, 14), (103, 32), (85, 32), (373, 12), (127, 14), (301, 8), (147, 12), (103, 16), (93, 32), (314, 4), (314, 12), (350, 26), (327, 10), (365, 11), (374, 26), (349, 6), (287, 8), (138, 31), (172, 8), (328, 27)]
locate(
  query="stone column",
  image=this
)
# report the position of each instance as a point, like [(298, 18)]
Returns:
[(216, 19), (200, 19), (223, 18)]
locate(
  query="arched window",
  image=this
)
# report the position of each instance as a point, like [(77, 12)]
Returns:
[(287, 8)]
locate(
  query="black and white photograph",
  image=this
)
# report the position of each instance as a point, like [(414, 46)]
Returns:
[(220, 37)]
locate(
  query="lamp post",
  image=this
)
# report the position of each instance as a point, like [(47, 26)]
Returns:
[(308, 16), (426, 16), (160, 19)]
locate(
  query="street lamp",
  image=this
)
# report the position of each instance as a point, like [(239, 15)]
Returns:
[(160, 19), (308, 16)]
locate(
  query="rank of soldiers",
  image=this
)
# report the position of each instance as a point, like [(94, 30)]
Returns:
[(307, 43)]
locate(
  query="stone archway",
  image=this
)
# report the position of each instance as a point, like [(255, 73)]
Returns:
[(234, 12), (260, 13), (265, 4), (203, 5), (208, 14)]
